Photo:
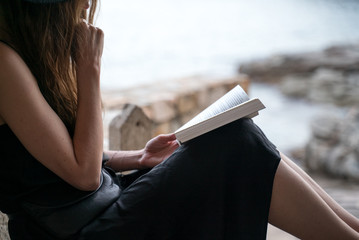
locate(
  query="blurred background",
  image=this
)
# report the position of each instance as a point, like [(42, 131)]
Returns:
[(158, 40), (305, 45), (163, 39)]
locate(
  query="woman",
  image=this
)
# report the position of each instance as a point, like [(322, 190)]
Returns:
[(58, 184)]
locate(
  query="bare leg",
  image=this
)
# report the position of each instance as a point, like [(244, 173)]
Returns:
[(298, 209), (339, 210)]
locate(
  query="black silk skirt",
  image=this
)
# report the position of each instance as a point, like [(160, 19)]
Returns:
[(217, 186)]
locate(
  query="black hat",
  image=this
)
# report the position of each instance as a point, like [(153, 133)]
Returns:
[(44, 1)]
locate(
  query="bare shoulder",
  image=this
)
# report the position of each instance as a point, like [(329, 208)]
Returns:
[(20, 95), (15, 76), (11, 63), (13, 71), (24, 109), (6, 51)]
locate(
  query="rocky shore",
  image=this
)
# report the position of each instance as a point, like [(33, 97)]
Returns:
[(330, 76)]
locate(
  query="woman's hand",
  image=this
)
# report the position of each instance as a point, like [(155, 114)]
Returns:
[(89, 49), (158, 149)]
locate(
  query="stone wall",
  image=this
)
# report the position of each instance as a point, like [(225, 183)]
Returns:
[(171, 104)]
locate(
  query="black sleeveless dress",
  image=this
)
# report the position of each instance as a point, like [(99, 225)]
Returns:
[(217, 186)]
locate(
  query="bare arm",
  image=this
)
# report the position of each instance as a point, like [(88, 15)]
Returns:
[(155, 151), (88, 135), (124, 160), (38, 127)]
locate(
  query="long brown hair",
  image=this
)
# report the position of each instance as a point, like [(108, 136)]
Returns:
[(45, 36)]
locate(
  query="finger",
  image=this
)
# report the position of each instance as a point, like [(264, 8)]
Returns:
[(100, 39), (174, 145), (167, 137)]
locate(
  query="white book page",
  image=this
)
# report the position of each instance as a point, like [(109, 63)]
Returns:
[(231, 99)]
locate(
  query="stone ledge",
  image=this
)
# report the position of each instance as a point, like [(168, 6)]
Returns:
[(168, 90), (172, 103)]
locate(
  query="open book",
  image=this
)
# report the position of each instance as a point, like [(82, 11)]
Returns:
[(232, 106)]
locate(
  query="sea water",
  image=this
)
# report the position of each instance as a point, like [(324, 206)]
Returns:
[(154, 40)]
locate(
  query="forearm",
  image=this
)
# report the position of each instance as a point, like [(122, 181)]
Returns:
[(88, 135), (124, 160)]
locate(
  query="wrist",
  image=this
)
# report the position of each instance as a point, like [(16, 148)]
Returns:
[(88, 76), (139, 161), (91, 68), (125, 160)]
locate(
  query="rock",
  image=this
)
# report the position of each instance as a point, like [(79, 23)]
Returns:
[(325, 127), (295, 85), (130, 130), (186, 103), (162, 128), (350, 167), (316, 155), (344, 58), (324, 86), (276, 67), (4, 234), (215, 92), (352, 96), (353, 79), (162, 111), (328, 76), (334, 146)]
